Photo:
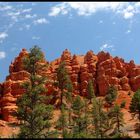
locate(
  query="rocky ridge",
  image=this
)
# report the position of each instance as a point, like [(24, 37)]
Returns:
[(102, 68)]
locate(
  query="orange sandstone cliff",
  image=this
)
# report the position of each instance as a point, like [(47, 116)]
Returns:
[(102, 68)]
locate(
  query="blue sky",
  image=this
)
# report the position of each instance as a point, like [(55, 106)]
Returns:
[(78, 26)]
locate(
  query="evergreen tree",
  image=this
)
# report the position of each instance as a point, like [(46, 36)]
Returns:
[(34, 114), (135, 104), (116, 117), (111, 95), (68, 99), (90, 90), (100, 119), (65, 85), (79, 120), (62, 121), (64, 82)]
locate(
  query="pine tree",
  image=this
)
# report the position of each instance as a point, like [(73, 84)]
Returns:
[(66, 87), (135, 104), (86, 118), (80, 124), (68, 98), (116, 117), (62, 77), (62, 121), (34, 114), (100, 119), (90, 90), (111, 95)]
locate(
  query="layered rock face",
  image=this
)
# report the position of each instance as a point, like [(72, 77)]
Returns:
[(102, 68), (12, 88), (111, 71), (1, 92)]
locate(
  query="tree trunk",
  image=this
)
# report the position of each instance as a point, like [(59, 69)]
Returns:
[(61, 97), (69, 116), (139, 119), (118, 124)]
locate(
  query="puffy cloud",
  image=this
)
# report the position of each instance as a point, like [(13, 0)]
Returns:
[(3, 35), (29, 16), (126, 9), (54, 11), (26, 10), (106, 46), (41, 21), (14, 15), (5, 7), (2, 54), (128, 15), (60, 8)]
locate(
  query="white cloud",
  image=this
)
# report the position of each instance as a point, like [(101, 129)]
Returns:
[(54, 11), (41, 21), (5, 7), (128, 15), (27, 26), (106, 46), (26, 10), (2, 55), (14, 15), (60, 8), (3, 35), (35, 38), (129, 12), (128, 31), (126, 9), (29, 16)]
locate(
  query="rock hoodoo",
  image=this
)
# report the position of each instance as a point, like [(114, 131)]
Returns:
[(102, 68)]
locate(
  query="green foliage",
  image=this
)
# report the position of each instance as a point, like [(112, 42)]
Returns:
[(111, 95), (82, 135), (30, 63), (63, 79), (51, 134), (123, 104), (90, 90), (116, 117), (67, 134), (79, 121), (64, 82), (78, 104), (135, 104), (65, 85), (61, 123), (100, 119), (34, 114)]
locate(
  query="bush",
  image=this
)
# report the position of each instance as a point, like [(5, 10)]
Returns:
[(111, 94), (123, 104)]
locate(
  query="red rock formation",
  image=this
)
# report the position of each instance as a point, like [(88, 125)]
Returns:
[(12, 86), (111, 71), (75, 74), (102, 68), (1, 93)]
